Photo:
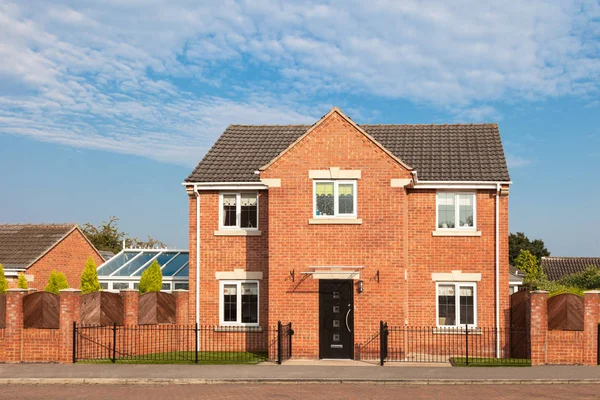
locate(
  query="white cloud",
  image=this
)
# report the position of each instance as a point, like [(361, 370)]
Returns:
[(162, 78), (514, 161)]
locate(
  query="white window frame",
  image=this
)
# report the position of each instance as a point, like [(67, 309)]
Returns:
[(239, 322), (457, 285), (238, 212), (336, 205), (456, 211)]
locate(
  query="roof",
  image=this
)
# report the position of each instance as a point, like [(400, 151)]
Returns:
[(130, 263), (23, 244), (557, 267), (456, 152), (515, 275)]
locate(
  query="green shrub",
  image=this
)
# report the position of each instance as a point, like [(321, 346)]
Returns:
[(89, 278), (586, 280), (22, 282), (151, 280), (3, 281), (56, 282), (527, 263)]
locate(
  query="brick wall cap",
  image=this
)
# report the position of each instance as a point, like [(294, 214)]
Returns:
[(17, 290), (185, 291), (540, 292), (592, 292), (128, 290), (70, 290)]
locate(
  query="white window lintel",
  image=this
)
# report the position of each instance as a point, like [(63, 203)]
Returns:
[(456, 276)]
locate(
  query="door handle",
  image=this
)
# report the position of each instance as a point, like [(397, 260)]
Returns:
[(347, 315)]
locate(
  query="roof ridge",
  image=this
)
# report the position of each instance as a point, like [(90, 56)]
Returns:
[(69, 224), (569, 257), (299, 125)]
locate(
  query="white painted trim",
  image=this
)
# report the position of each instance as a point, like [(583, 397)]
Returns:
[(457, 304), (334, 173), (465, 183), (454, 187), (336, 184), (237, 232), (456, 212), (238, 212), (456, 276), (398, 183), (271, 182), (334, 221), (222, 283), (354, 275), (455, 232), (235, 187), (239, 274)]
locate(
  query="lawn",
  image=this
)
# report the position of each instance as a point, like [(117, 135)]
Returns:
[(490, 362), (186, 357)]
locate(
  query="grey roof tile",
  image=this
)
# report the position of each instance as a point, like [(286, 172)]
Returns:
[(557, 267), (21, 244), (459, 152)]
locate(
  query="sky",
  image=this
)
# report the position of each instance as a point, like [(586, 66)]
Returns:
[(106, 106)]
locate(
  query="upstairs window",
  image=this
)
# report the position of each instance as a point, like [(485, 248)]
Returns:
[(456, 210), (239, 210), (335, 199)]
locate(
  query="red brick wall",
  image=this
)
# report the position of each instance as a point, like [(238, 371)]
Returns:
[(223, 254), (68, 256), (432, 254)]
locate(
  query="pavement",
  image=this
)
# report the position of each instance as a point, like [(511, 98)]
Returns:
[(120, 374)]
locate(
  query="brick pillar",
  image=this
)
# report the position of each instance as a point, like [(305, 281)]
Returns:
[(590, 327), (130, 303), (539, 326), (182, 297), (69, 313), (14, 325)]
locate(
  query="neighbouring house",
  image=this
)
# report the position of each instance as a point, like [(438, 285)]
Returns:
[(106, 254), (558, 267), (336, 226), (515, 279), (37, 249), (124, 270)]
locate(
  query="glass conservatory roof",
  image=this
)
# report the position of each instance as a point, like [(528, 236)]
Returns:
[(132, 262)]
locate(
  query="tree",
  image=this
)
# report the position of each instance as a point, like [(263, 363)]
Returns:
[(151, 280), (518, 242), (56, 282), (528, 264), (22, 282), (89, 278), (107, 236), (3, 281)]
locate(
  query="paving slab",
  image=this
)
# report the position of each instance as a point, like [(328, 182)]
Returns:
[(204, 374)]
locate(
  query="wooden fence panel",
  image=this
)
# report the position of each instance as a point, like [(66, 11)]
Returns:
[(565, 312), (520, 317), (157, 308), (2, 310), (102, 309), (41, 310)]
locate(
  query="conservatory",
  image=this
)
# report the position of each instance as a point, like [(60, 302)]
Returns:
[(123, 271)]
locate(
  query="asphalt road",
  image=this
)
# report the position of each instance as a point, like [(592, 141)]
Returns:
[(299, 391)]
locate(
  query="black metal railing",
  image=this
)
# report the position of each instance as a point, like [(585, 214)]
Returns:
[(181, 344), (460, 346)]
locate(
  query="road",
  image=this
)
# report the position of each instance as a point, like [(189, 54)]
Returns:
[(299, 391)]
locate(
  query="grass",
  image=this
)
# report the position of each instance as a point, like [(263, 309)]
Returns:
[(187, 357), (490, 362)]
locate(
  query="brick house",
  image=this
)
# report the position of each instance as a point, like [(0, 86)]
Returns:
[(37, 249), (337, 226)]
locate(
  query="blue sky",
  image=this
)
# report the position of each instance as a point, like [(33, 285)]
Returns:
[(106, 106)]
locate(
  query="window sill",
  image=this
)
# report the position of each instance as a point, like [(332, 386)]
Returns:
[(335, 221), (238, 328), (456, 331), (455, 232), (237, 232)]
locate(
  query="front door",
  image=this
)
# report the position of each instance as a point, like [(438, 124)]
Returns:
[(336, 319)]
